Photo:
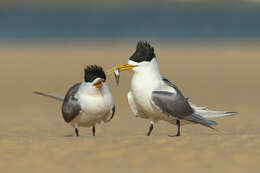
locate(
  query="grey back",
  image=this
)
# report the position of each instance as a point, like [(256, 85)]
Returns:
[(172, 104), (177, 106), (71, 106)]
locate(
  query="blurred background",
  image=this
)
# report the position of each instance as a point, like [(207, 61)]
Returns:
[(170, 20), (208, 48)]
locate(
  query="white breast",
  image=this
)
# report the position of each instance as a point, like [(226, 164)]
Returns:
[(96, 106), (142, 91)]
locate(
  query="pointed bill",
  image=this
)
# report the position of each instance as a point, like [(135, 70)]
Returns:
[(116, 70)]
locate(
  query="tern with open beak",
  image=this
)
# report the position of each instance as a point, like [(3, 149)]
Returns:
[(154, 97), (89, 102)]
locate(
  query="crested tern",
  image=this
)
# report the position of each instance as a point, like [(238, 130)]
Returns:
[(154, 97), (87, 103)]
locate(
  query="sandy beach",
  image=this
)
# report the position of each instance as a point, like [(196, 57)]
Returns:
[(221, 76)]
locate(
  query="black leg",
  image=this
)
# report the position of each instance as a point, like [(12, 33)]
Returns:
[(93, 130), (150, 129), (77, 131), (179, 127)]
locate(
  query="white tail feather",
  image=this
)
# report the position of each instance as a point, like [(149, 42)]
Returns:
[(206, 113)]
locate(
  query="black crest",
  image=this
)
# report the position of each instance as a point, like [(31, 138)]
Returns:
[(144, 52), (93, 71)]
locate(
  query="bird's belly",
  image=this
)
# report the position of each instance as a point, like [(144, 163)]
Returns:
[(86, 120), (95, 104), (94, 111), (145, 106)]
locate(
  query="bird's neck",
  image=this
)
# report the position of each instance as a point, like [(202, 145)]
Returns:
[(87, 89), (147, 76)]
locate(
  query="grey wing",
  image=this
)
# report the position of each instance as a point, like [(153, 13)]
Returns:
[(71, 106), (171, 104), (167, 82), (176, 105)]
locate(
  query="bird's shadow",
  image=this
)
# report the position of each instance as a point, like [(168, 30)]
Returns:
[(68, 136), (173, 136)]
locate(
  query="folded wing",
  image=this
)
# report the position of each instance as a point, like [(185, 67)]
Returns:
[(176, 106), (71, 106)]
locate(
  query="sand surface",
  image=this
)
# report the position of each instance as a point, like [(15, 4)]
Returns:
[(34, 137)]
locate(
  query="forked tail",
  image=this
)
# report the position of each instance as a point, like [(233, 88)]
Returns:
[(201, 120), (206, 113)]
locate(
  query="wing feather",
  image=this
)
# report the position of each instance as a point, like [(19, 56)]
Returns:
[(113, 110), (71, 106), (171, 104), (177, 106)]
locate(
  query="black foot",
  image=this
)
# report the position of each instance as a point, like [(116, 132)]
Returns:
[(93, 130), (77, 132), (150, 129), (179, 127)]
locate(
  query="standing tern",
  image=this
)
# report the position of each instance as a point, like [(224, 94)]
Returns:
[(154, 97), (87, 103)]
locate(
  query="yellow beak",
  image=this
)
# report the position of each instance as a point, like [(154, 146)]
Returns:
[(99, 84), (122, 67)]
